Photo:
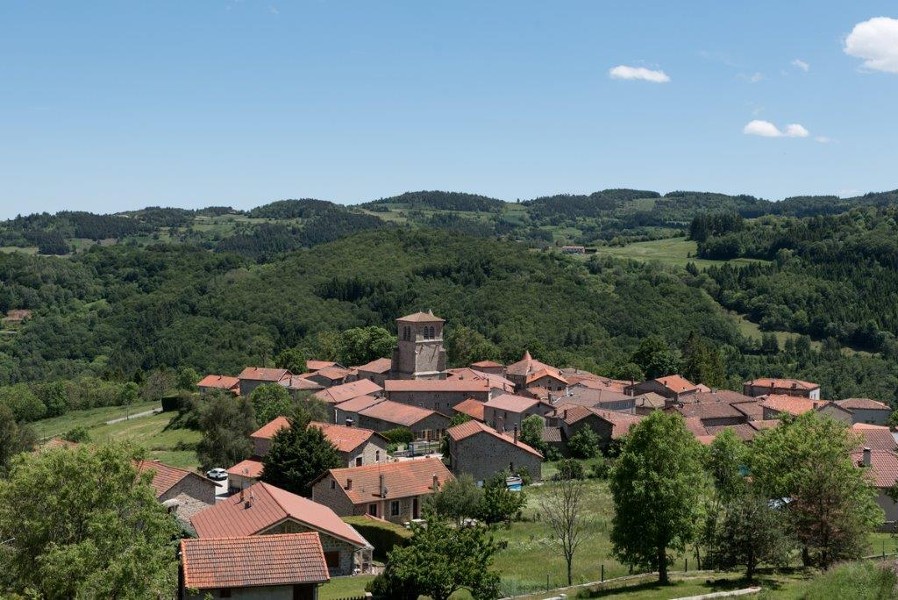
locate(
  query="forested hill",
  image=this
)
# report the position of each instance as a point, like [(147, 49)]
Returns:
[(607, 216)]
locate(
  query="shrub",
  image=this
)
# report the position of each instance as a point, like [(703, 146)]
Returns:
[(569, 468), (78, 434), (383, 535), (859, 581), (584, 444), (600, 470), (400, 435)]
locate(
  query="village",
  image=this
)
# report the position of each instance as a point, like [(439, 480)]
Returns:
[(467, 421)]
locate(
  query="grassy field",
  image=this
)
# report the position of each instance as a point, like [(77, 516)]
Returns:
[(670, 251), (89, 418)]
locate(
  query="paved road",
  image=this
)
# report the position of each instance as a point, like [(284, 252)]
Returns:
[(146, 413)]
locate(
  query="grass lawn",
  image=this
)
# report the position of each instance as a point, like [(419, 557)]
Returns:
[(89, 418), (670, 251), (172, 446), (344, 587)]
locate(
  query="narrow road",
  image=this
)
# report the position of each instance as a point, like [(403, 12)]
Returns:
[(146, 413)]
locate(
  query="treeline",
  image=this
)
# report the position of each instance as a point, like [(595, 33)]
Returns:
[(453, 201)]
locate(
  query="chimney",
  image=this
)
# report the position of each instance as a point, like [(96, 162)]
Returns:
[(436, 482), (349, 484), (866, 457), (515, 433), (348, 421), (383, 488), (564, 415)]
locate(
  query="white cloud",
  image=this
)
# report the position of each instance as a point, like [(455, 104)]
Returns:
[(822, 139), (753, 78), (800, 64), (876, 42), (638, 73), (768, 129)]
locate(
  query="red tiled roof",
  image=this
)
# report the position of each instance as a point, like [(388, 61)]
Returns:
[(877, 437), (348, 391), (218, 382), (267, 431), (165, 476), (421, 317), (528, 365), (727, 396), (709, 410), (752, 410), (263, 374), (250, 467), (470, 428), (535, 391), (764, 424), (346, 439), (471, 407), (782, 384), (597, 383), (743, 431), (496, 381), (793, 405), (512, 403), (317, 365), (883, 466), (862, 404), (676, 383), (378, 365), (621, 422), (543, 373), (269, 506), (265, 560), (360, 403), (650, 400), (333, 373), (437, 385), (297, 382), (402, 479), (396, 412), (694, 424), (487, 364)]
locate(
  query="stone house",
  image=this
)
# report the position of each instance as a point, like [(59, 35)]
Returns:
[(608, 425), (507, 412), (883, 467), (276, 567), (169, 482), (440, 395), (497, 383), (766, 386), (329, 376), (526, 367), (376, 371), (297, 385), (481, 451), (425, 425), (489, 366), (347, 413), (263, 509), (472, 408), (865, 410), (393, 491), (252, 377), (357, 446), (673, 387), (348, 391), (211, 383), (776, 405)]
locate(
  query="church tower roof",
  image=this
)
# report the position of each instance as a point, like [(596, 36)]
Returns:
[(421, 317)]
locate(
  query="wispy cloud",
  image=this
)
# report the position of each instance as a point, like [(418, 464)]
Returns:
[(800, 64), (876, 42), (273, 10), (638, 73), (753, 78), (767, 129), (822, 139)]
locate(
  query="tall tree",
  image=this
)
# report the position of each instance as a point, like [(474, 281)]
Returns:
[(440, 560), (563, 509), (270, 401), (298, 455), (84, 523), (457, 499), (751, 532), (655, 358), (657, 485), (361, 345), (702, 362), (833, 507), (14, 437), (226, 424)]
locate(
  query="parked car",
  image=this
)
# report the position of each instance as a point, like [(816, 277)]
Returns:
[(217, 474)]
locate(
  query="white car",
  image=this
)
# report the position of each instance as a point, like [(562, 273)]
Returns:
[(217, 474)]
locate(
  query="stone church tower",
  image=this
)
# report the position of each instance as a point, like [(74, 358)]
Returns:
[(419, 353)]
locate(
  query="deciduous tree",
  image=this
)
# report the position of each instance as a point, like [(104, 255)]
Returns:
[(562, 507), (298, 455), (657, 485), (226, 423), (270, 401)]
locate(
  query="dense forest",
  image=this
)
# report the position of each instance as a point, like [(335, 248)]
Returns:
[(216, 289)]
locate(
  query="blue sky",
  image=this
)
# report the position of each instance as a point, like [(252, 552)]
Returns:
[(109, 106)]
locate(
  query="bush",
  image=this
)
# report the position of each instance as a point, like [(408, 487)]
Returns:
[(400, 435), (600, 470), (383, 535), (584, 444), (569, 468), (859, 581), (78, 434)]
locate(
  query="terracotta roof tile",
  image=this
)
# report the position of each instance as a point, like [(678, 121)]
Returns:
[(650, 400), (396, 412), (471, 407), (421, 317), (267, 431), (471, 428), (764, 424), (437, 385), (496, 381), (402, 479), (743, 431), (877, 437), (263, 374), (710, 410), (694, 424), (512, 403), (621, 422), (218, 382), (333, 373), (297, 382), (267, 560), (862, 404), (346, 439), (883, 466), (378, 365), (793, 405), (545, 373), (264, 506), (165, 476), (782, 384), (676, 383), (552, 434), (317, 365), (528, 365), (348, 391), (487, 364), (251, 467), (360, 403)]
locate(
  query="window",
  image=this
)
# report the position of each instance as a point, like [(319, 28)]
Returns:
[(358, 461), (394, 508), (424, 333), (372, 510), (377, 456), (333, 484), (332, 559)]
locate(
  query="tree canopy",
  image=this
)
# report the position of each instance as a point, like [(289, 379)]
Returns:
[(299, 454)]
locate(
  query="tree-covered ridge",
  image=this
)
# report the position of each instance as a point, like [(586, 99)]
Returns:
[(830, 276), (451, 201)]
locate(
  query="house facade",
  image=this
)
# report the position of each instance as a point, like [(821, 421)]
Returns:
[(782, 387), (481, 451), (507, 412), (252, 377), (425, 425)]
